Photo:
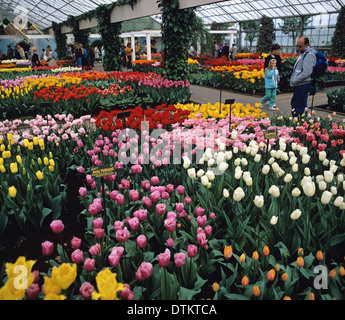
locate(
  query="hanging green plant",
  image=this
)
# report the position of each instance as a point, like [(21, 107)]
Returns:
[(110, 33), (177, 31), (61, 41), (80, 36)]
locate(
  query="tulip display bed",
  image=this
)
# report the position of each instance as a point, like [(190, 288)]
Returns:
[(194, 205)]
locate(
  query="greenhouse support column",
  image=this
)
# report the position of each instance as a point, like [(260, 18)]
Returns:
[(148, 45), (133, 47), (302, 25), (231, 39), (198, 48)]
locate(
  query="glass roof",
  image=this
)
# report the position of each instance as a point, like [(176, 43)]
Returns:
[(43, 12)]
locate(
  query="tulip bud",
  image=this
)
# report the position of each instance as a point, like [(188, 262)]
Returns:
[(12, 192), (271, 275), (326, 197), (296, 214), (319, 255), (245, 281), (242, 258), (255, 256), (266, 251), (274, 220), (226, 193), (256, 291), (228, 252), (259, 201), (300, 262), (215, 287), (285, 277)]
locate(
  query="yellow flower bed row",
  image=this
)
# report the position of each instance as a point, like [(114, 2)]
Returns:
[(209, 110), (29, 69), (251, 76), (192, 61)]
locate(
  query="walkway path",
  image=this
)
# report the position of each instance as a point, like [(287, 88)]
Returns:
[(202, 95)]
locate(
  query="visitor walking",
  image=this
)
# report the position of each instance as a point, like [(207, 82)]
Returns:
[(226, 51), (271, 84), (275, 54), (92, 57), (35, 59), (51, 58), (97, 54), (129, 51), (234, 52), (21, 52), (9, 52), (220, 50), (301, 77)]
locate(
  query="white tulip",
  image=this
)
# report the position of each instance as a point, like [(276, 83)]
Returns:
[(222, 146), (342, 162), (322, 185), (342, 206), (228, 155), (249, 182), (220, 157), (279, 154), (295, 167), (319, 178), (186, 162), (259, 201), (238, 194), (273, 153), (292, 161), (191, 173), (285, 156), (322, 155), (254, 151), (226, 193), (200, 173), (257, 158), (262, 145), (325, 163), (238, 173), (309, 188), (265, 169), (282, 147), (288, 178), (340, 177), (298, 147), (201, 161), (274, 191), (326, 197), (296, 192), (210, 162), (303, 151), (305, 158), (274, 220), (291, 154), (271, 160), (210, 175), (246, 175), (244, 161), (343, 185), (296, 214), (293, 145), (237, 162), (334, 190), (333, 168), (204, 181), (328, 175), (307, 171), (280, 173), (248, 150), (275, 167), (223, 166), (338, 201), (332, 163), (234, 135), (235, 150)]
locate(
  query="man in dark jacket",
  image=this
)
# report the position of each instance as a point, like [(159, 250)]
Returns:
[(9, 52), (226, 51)]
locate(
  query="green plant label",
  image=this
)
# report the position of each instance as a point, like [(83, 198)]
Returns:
[(271, 134), (102, 171)]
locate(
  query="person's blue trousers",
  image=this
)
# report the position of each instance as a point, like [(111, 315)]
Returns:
[(300, 99)]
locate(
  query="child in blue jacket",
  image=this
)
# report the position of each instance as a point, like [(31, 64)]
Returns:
[(271, 84)]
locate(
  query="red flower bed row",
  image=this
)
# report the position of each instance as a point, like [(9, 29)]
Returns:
[(162, 116)]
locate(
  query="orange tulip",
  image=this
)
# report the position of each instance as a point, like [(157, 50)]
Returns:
[(228, 252), (319, 255), (285, 277), (341, 271), (277, 267), (245, 281), (287, 298), (332, 274), (311, 296), (300, 262), (242, 258), (256, 291), (271, 275), (266, 251), (300, 252), (215, 287), (255, 256)]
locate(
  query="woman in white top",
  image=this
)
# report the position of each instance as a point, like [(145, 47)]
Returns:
[(97, 53)]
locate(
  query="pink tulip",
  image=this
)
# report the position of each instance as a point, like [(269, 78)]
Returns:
[(89, 264), (201, 239), (187, 200), (182, 214), (57, 226), (120, 199), (155, 196), (125, 294), (170, 224), (144, 271), (99, 233), (93, 210), (199, 211), (141, 241), (165, 195), (118, 225), (180, 259), (86, 290), (36, 275), (134, 194), (33, 291), (77, 256), (171, 215), (114, 259), (47, 248), (97, 223), (126, 184), (118, 251), (170, 242), (76, 243), (81, 169), (95, 250), (192, 250), (141, 214), (155, 180), (170, 188), (147, 202), (179, 207), (160, 208), (180, 190), (134, 223), (212, 215), (164, 258), (82, 192), (201, 220), (208, 230), (122, 235)]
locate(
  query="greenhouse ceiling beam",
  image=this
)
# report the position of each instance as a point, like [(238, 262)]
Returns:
[(143, 8)]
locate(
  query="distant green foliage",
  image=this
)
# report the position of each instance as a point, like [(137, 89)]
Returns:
[(267, 35), (338, 40)]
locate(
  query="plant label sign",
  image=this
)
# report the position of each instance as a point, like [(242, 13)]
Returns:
[(103, 171), (271, 134)]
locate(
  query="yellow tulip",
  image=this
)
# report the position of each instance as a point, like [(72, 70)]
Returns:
[(2, 169), (12, 192), (14, 167), (46, 161), (39, 175)]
